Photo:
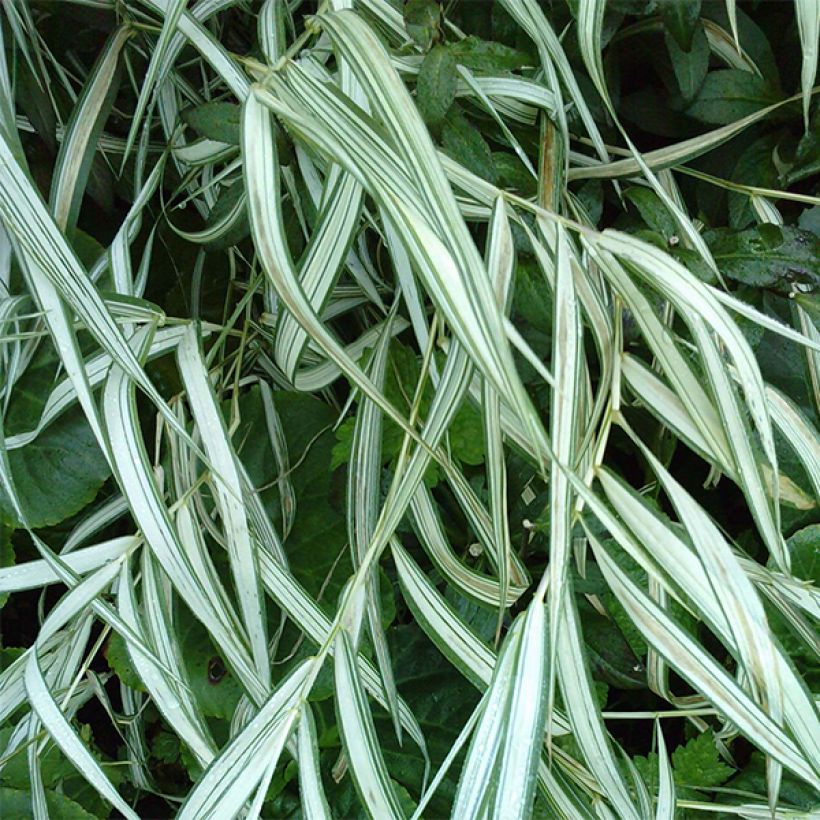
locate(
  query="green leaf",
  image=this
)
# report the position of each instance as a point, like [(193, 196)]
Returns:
[(15, 774), (806, 161), (165, 747), (804, 547), (753, 39), (421, 17), (317, 543), (697, 763), (228, 215), (767, 255), (344, 443), (653, 212), (463, 142), (441, 702), (18, 804), (68, 449), (753, 780), (216, 121), (216, 690), (512, 175), (729, 94), (691, 64), (465, 436), (60, 779), (34, 100), (755, 166), (6, 553), (119, 661), (610, 655), (436, 85), (487, 56), (680, 20)]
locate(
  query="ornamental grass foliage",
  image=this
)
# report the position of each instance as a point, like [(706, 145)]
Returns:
[(409, 409)]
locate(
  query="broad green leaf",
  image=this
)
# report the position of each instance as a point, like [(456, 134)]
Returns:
[(316, 541), (422, 18), (463, 142), (17, 803), (652, 210), (767, 256), (728, 95), (436, 85), (689, 64), (215, 121), (610, 656), (487, 56), (439, 700), (680, 20), (234, 774), (212, 684), (66, 448), (804, 547)]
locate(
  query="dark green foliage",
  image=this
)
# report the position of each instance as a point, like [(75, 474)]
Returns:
[(464, 142), (768, 256), (66, 448), (668, 83), (728, 94), (680, 20), (215, 121), (690, 64), (487, 56), (436, 85), (422, 18)]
